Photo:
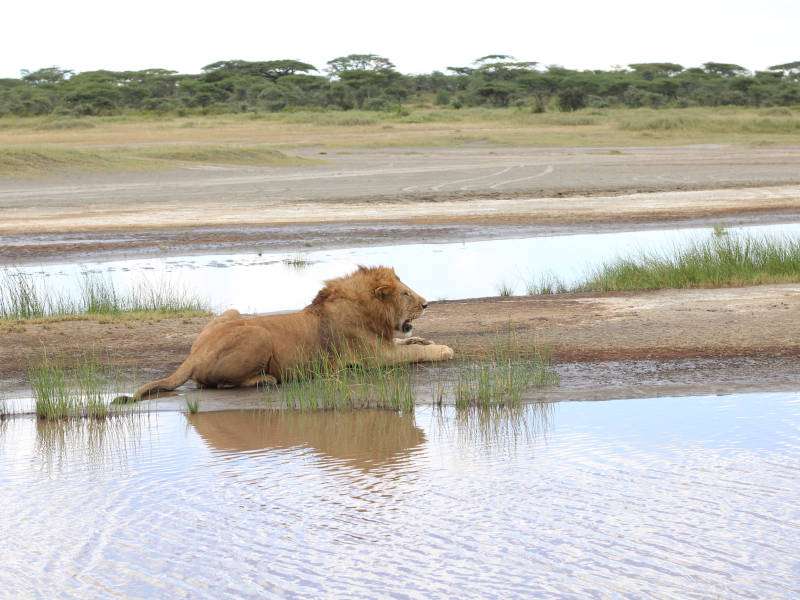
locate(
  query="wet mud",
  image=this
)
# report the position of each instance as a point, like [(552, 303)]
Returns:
[(368, 197)]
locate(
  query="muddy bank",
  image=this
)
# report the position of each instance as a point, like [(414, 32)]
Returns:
[(605, 345), (386, 196)]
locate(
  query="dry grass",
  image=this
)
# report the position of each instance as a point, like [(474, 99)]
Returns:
[(44, 144)]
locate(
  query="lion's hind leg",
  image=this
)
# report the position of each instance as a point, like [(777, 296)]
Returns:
[(239, 357)]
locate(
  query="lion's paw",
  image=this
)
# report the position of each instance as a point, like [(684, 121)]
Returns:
[(447, 353), (411, 340)]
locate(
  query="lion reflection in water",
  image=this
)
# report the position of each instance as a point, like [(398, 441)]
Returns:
[(353, 316)]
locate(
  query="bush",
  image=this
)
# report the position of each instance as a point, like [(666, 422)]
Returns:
[(571, 99)]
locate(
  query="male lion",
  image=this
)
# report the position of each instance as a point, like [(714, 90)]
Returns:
[(352, 316)]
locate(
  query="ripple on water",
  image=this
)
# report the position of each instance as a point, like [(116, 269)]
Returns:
[(670, 497)]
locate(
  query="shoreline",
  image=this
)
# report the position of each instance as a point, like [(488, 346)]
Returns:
[(604, 345)]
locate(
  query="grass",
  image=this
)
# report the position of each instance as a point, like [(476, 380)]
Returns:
[(75, 391), (333, 383), (505, 289), (297, 261), (44, 145), (25, 297), (509, 370), (192, 404), (723, 260)]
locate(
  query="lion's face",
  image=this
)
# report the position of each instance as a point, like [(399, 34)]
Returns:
[(379, 298), (410, 306)]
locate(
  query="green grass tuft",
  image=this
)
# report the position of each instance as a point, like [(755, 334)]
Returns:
[(63, 391), (25, 297), (722, 260), (192, 404), (509, 371), (330, 382)]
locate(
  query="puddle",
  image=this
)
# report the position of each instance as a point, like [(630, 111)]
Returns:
[(273, 282), (690, 497)]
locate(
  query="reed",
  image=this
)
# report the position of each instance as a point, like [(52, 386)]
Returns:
[(337, 381), (724, 259), (510, 369), (25, 297), (192, 404), (79, 389), (721, 260)]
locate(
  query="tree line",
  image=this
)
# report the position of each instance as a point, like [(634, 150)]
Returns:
[(371, 82)]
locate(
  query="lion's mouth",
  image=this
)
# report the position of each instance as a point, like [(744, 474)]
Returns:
[(407, 326)]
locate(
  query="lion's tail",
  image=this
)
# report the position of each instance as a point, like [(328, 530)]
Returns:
[(179, 377)]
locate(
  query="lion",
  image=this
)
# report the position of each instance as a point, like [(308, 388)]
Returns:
[(354, 317)]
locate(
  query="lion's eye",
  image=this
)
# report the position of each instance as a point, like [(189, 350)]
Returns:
[(406, 294)]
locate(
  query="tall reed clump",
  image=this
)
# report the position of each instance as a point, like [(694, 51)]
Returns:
[(722, 260), (24, 296), (64, 391), (509, 370), (334, 382)]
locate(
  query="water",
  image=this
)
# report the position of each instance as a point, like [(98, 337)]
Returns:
[(266, 283), (692, 497)]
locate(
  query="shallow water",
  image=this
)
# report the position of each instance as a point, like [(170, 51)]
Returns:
[(266, 283), (692, 497)]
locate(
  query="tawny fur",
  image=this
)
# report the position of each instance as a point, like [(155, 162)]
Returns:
[(356, 315)]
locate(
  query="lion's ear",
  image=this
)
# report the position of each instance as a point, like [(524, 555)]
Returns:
[(383, 291)]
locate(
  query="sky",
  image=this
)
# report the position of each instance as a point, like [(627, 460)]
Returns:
[(417, 36)]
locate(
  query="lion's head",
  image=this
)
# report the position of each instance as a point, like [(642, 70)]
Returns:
[(377, 297)]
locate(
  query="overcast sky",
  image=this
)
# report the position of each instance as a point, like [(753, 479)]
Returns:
[(419, 36)]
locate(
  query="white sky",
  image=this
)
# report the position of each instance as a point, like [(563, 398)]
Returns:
[(418, 36)]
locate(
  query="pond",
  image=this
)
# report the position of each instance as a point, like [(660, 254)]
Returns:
[(689, 497), (272, 282)]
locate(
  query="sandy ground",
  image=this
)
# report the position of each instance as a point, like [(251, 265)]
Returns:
[(605, 345)]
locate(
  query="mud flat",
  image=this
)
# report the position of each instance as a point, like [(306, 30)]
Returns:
[(372, 196), (607, 345)]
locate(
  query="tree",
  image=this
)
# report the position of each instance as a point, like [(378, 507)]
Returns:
[(359, 62), (571, 99), (790, 70), (46, 75), (268, 69), (725, 69), (650, 71)]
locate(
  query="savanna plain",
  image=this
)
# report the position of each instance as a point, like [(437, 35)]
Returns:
[(478, 477)]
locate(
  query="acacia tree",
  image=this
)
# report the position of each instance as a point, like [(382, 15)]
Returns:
[(790, 70), (268, 69), (46, 75), (725, 69), (359, 62)]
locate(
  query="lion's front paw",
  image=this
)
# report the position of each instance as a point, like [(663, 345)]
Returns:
[(411, 340), (445, 353)]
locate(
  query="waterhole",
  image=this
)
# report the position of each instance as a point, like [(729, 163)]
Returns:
[(263, 282), (686, 497)]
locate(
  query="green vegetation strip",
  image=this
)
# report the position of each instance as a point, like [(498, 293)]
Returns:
[(78, 390), (371, 82), (25, 297), (504, 376), (725, 259)]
